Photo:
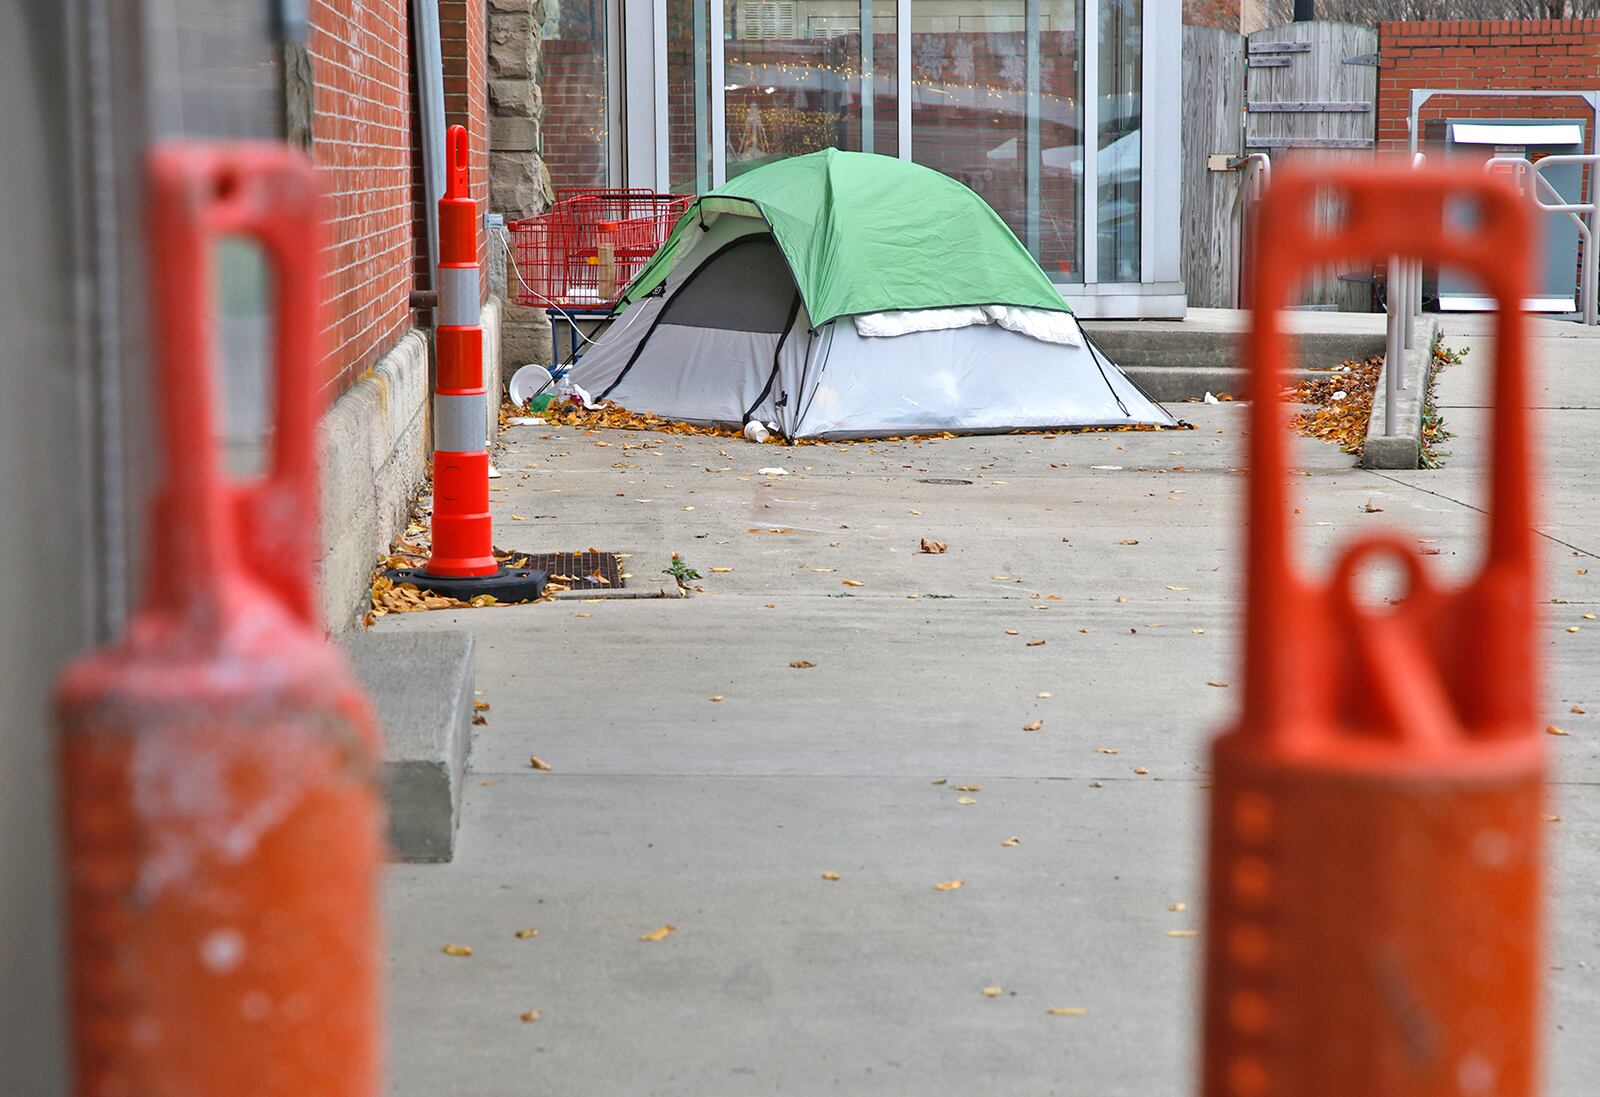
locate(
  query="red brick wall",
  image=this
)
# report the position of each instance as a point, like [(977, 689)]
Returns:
[(361, 143), (462, 42), (1508, 54)]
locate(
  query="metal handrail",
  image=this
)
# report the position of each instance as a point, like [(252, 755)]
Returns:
[(1403, 303), (1257, 169), (1588, 224)]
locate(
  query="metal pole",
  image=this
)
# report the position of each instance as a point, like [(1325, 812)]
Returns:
[(1393, 351), (1591, 253), (868, 63)]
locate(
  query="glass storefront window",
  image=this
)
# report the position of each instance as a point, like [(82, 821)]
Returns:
[(1035, 104), (793, 78), (1120, 140), (995, 104), (574, 74), (689, 95)]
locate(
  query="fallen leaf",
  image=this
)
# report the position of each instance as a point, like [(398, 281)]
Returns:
[(1553, 730), (1129, 541), (660, 934), (722, 571), (932, 547), (969, 788), (1183, 933), (1043, 695), (1108, 750), (1036, 643), (1066, 1011), (965, 800), (1577, 710), (1198, 631), (1370, 509), (1141, 771), (1572, 628), (583, 615), (948, 885), (480, 706), (801, 664), (941, 780), (852, 582), (1033, 725), (1011, 841), (993, 992), (1588, 617), (913, 510), (1011, 632), (479, 719), (1178, 908), (1551, 818), (1171, 587), (456, 950), (830, 875), (524, 934), (537, 762), (530, 1017), (1217, 684), (1121, 600), (714, 697)]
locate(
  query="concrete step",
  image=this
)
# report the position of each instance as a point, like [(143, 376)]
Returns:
[(421, 686), (1185, 359)]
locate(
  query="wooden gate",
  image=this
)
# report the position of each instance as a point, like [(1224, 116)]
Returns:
[(1296, 92), (1310, 94)]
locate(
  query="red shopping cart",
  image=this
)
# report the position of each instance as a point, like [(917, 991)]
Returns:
[(581, 254)]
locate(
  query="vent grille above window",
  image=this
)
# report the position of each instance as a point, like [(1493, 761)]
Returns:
[(766, 19)]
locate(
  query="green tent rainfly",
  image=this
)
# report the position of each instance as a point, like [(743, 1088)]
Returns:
[(846, 295), (864, 233)]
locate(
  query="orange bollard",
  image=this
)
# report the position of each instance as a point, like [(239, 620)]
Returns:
[(461, 563), (1374, 919), (221, 796)]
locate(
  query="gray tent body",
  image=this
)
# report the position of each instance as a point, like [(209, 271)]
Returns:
[(726, 339)]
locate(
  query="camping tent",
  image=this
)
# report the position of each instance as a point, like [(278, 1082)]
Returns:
[(843, 295)]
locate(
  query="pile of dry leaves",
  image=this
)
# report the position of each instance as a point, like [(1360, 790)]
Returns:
[(410, 550), (573, 414), (1339, 403)]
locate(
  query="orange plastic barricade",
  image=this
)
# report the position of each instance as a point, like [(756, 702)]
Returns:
[(222, 806), (1375, 850)]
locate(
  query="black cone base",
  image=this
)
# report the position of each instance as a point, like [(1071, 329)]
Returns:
[(506, 585)]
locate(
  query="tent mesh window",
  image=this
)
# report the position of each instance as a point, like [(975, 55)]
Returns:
[(744, 287)]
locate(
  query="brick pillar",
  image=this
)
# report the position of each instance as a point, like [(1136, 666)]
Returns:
[(519, 183)]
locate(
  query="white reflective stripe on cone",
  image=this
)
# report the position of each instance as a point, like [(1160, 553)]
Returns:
[(461, 423), (458, 297)]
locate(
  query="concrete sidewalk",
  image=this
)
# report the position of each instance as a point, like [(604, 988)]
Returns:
[(720, 817)]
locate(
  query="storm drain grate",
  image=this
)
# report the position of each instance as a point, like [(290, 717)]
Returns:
[(939, 480), (580, 570)]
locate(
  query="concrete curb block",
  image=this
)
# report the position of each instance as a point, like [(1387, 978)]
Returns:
[(421, 685), (373, 452), (1402, 450)]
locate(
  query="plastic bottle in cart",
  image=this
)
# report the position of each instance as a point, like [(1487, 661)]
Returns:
[(607, 259)]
